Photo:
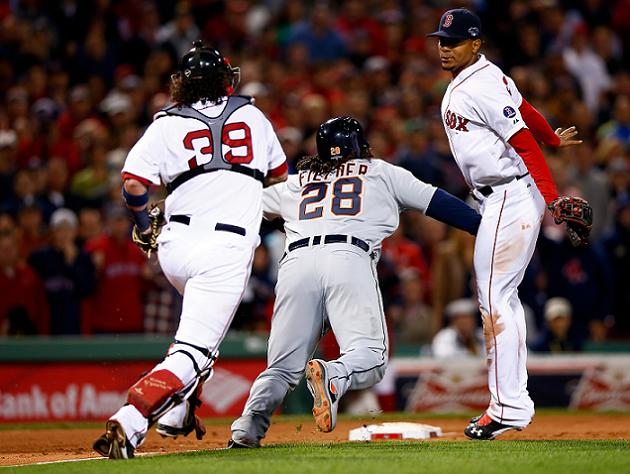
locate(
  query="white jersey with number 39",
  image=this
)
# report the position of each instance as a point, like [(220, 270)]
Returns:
[(172, 145), (480, 110)]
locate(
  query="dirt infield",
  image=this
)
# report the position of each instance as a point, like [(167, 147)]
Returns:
[(26, 446)]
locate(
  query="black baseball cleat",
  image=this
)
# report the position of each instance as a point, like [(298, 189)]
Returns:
[(485, 428), (114, 444), (236, 445)]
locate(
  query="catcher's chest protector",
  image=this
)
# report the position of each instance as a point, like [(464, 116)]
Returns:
[(215, 125)]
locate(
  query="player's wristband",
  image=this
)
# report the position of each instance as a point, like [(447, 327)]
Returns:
[(453, 211), (141, 218), (135, 200)]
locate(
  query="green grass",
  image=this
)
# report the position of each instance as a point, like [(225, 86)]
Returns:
[(505, 457)]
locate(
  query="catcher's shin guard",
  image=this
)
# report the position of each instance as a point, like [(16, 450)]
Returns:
[(172, 381), (153, 391)]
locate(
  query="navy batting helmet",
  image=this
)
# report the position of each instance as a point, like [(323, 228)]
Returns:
[(202, 62), (340, 136)]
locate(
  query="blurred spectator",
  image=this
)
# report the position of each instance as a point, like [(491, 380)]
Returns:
[(91, 184), (8, 142), (364, 35), (67, 273), (405, 254), (254, 312), (291, 141), (582, 276), (23, 306), (31, 230), (417, 156), (55, 194), (592, 183), (452, 277), (618, 127), (555, 335), (163, 304), (619, 176), (587, 67), (462, 337), (90, 224), (413, 322), (317, 34), (180, 32), (617, 247), (116, 306)]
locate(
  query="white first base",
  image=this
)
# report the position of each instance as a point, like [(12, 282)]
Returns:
[(386, 431)]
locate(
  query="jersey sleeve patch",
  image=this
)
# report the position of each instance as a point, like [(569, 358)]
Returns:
[(509, 112)]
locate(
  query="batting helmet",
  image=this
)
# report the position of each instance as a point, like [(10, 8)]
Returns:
[(205, 63), (340, 136)]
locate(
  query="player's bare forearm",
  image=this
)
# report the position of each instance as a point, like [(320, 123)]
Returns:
[(134, 187)]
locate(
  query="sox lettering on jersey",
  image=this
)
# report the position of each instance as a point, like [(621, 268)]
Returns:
[(455, 121)]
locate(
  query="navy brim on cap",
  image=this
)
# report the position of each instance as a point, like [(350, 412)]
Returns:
[(445, 34)]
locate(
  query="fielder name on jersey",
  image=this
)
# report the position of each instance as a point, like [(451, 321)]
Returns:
[(345, 169)]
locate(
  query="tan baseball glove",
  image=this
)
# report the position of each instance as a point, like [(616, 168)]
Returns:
[(147, 241)]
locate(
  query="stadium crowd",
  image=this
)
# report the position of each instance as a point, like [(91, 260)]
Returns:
[(81, 79)]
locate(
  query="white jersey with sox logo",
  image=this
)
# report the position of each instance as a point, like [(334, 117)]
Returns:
[(480, 110)]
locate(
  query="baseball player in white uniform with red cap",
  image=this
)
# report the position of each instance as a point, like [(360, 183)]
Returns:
[(214, 152), (489, 126)]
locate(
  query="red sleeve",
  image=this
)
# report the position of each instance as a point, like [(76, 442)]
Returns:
[(525, 145), (280, 170), (144, 181), (538, 125)]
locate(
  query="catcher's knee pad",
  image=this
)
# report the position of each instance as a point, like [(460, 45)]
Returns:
[(154, 390), (188, 362)]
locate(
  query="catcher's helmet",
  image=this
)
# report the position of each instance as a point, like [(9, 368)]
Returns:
[(205, 63), (340, 136)]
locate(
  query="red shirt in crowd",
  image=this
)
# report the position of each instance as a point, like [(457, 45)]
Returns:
[(116, 307), (21, 286), (406, 254)]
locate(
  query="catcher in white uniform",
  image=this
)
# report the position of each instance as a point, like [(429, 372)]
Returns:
[(213, 151), (486, 120), (337, 211)]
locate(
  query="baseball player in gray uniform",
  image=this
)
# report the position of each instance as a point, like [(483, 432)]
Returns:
[(337, 210)]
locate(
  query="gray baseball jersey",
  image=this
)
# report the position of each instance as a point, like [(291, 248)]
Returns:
[(363, 198), (328, 275)]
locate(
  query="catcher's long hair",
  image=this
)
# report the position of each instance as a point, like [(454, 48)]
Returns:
[(187, 91), (323, 167)]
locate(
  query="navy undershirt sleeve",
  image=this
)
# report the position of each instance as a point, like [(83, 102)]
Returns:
[(453, 211)]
